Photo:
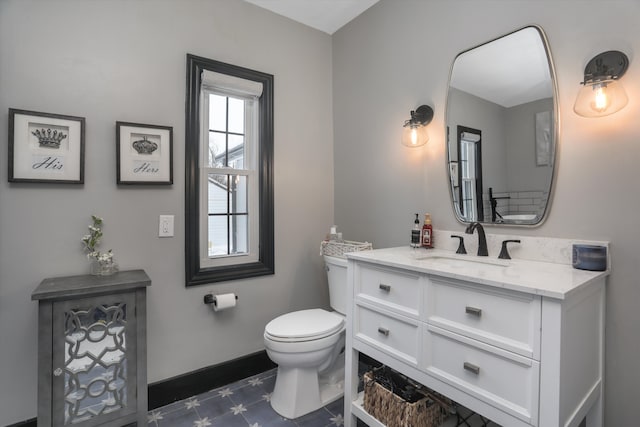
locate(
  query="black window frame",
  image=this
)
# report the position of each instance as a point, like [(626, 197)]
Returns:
[(195, 273)]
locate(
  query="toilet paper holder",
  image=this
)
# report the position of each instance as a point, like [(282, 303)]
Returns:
[(209, 299)]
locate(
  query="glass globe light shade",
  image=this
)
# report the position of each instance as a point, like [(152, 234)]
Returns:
[(414, 135), (598, 99)]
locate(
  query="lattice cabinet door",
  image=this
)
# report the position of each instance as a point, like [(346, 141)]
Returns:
[(92, 369), (94, 357)]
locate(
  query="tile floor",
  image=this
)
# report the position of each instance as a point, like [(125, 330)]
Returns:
[(245, 403)]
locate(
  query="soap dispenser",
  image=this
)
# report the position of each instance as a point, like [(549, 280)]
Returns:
[(415, 233)]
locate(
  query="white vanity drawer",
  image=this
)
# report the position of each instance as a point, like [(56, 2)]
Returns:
[(398, 290), (506, 319), (500, 378), (396, 336)]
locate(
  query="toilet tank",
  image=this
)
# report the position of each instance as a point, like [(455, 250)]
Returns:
[(337, 278)]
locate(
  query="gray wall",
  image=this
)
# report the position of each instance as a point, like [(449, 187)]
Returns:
[(126, 60), (508, 140), (520, 134), (489, 118), (398, 54)]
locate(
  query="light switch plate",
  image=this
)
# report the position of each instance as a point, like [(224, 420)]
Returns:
[(165, 228)]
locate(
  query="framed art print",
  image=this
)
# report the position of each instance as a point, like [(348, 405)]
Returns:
[(543, 138), (45, 147), (144, 153), (453, 173)]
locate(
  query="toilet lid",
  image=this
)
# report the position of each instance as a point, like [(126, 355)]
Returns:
[(305, 324)]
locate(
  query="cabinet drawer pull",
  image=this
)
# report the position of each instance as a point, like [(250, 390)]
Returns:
[(473, 311), (471, 368), (383, 331), (385, 288)]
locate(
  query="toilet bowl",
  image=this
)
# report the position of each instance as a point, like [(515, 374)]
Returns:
[(308, 347)]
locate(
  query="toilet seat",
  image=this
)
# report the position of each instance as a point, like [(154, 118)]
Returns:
[(304, 325)]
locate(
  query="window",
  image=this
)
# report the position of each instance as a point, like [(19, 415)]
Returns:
[(468, 179), (470, 169), (229, 178)]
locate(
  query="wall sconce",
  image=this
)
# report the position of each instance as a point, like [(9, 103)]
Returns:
[(602, 94), (414, 131)]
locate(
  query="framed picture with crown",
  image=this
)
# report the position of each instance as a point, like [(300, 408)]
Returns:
[(144, 154), (45, 147)]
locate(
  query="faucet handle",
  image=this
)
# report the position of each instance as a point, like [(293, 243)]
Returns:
[(504, 253), (461, 249)]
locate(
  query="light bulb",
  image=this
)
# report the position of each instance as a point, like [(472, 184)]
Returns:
[(414, 136), (600, 101)]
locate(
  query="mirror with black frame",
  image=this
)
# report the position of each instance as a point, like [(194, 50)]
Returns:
[(502, 130)]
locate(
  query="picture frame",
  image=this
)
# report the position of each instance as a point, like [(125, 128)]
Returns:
[(543, 138), (144, 154), (46, 147), (453, 173)]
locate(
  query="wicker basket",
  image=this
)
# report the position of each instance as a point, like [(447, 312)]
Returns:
[(393, 411), (338, 249)]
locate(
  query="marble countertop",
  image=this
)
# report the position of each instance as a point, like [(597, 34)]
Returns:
[(534, 277)]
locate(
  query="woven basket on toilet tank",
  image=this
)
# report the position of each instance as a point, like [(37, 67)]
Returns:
[(338, 249)]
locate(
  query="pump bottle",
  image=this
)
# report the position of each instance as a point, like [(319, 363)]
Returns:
[(415, 233)]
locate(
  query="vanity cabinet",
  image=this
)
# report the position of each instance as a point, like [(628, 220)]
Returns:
[(516, 354), (92, 350)]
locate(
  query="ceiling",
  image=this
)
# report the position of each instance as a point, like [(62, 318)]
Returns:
[(324, 15), (509, 71)]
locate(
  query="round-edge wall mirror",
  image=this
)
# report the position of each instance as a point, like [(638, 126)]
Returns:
[(502, 130)]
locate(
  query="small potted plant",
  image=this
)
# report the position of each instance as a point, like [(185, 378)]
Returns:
[(102, 264)]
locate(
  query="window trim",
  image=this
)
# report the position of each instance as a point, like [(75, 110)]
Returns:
[(195, 274)]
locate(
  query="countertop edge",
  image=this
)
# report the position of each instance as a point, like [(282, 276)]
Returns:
[(377, 256)]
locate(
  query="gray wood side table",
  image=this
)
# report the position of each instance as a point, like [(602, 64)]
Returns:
[(92, 351)]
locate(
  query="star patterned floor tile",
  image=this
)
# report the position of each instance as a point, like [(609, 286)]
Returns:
[(246, 403)]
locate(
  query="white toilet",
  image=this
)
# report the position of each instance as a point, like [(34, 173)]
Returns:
[(308, 347)]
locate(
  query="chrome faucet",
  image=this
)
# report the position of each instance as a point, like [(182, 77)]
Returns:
[(482, 238)]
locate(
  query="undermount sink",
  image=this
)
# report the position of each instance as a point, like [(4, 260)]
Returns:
[(455, 260)]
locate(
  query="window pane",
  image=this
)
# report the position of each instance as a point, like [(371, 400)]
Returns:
[(467, 189), (467, 209), (236, 115), (218, 193), (238, 194), (218, 243), (464, 170), (217, 112), (468, 158), (236, 151), (219, 234), (239, 234), (217, 149)]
